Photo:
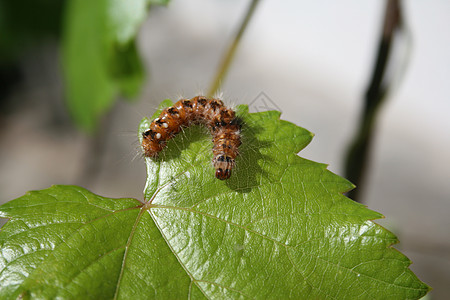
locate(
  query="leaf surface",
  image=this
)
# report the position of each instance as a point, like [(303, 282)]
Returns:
[(279, 228)]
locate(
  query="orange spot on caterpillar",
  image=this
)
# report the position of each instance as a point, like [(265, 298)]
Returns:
[(221, 121)]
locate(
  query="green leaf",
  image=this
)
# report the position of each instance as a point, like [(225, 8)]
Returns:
[(278, 228), (58, 237), (100, 57)]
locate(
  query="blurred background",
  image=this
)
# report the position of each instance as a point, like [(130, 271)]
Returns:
[(310, 59)]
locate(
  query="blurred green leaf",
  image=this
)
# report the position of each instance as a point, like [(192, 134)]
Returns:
[(278, 228), (100, 57)]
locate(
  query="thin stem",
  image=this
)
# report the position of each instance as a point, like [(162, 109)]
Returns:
[(228, 57), (358, 153)]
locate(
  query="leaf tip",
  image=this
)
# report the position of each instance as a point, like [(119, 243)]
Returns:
[(242, 109)]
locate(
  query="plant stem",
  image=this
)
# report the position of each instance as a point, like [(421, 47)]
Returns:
[(358, 153), (228, 57)]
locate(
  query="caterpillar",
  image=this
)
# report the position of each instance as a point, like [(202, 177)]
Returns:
[(221, 121)]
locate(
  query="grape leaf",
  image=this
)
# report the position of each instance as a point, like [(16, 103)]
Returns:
[(278, 228), (100, 57)]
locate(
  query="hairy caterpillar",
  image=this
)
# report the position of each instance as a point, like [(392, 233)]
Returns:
[(222, 122)]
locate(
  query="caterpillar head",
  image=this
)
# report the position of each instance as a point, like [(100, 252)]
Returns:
[(223, 165), (150, 143)]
